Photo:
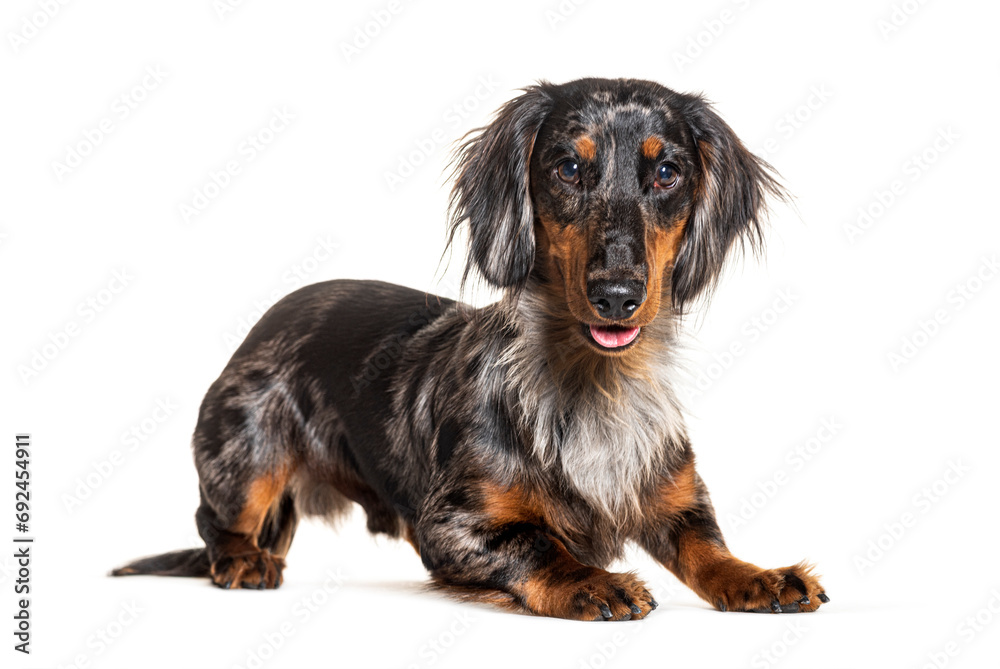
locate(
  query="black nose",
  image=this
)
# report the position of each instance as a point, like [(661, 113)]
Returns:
[(616, 299)]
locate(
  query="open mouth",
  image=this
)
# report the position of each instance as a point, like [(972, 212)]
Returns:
[(611, 337)]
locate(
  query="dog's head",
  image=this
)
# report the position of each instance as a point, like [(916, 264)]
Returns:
[(624, 194)]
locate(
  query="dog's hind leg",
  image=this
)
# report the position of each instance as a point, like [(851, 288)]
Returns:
[(247, 518), (248, 431), (244, 548), (248, 550)]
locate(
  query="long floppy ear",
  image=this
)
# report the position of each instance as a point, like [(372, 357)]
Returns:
[(730, 203), (492, 191)]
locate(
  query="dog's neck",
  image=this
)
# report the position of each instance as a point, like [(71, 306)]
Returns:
[(606, 422)]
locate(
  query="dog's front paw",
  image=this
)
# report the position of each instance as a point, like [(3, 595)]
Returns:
[(258, 571), (589, 594), (733, 585)]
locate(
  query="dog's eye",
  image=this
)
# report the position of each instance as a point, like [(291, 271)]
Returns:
[(568, 171), (666, 176)]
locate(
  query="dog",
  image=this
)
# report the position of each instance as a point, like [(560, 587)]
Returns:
[(520, 445)]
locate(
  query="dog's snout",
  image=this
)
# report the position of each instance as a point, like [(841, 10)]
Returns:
[(616, 299)]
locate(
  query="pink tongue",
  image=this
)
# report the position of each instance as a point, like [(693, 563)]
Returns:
[(613, 338)]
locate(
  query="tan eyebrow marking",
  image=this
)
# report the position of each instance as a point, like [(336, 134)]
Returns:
[(651, 147), (586, 148)]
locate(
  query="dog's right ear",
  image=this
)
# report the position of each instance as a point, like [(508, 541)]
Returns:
[(492, 191), (730, 206)]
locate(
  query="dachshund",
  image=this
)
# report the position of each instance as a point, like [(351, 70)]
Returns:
[(520, 445)]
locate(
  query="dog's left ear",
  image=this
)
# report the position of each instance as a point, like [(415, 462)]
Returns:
[(492, 191), (730, 202)]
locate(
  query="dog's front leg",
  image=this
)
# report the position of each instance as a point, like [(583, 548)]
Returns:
[(490, 543), (681, 532)]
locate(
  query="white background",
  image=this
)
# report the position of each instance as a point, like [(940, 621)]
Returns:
[(866, 102)]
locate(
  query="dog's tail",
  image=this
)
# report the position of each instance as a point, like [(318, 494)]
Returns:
[(190, 562)]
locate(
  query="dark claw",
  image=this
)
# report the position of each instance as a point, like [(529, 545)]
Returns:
[(790, 608), (775, 606), (635, 609), (804, 601), (652, 603), (626, 617), (262, 585), (228, 585), (722, 607), (823, 598), (605, 611)]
